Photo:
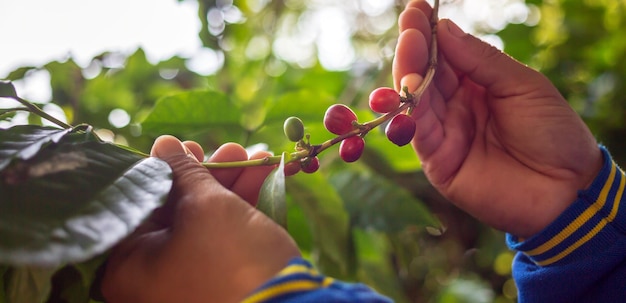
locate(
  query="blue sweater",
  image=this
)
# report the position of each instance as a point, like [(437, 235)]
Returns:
[(580, 257)]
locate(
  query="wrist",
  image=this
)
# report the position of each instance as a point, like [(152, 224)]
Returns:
[(557, 197)]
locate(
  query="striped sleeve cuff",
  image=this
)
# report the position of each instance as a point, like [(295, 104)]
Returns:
[(593, 222), (300, 282)]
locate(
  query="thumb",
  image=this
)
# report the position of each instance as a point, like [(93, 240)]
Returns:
[(192, 182), (187, 171), (481, 62)]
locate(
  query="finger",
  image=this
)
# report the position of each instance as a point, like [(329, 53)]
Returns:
[(196, 199), (434, 100), (421, 5), (446, 79), (429, 129), (414, 18), (195, 149), (187, 174), (228, 152), (249, 183), (164, 147), (483, 63), (411, 55)]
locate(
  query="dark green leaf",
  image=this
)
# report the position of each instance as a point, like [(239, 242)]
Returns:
[(67, 287), (78, 282), (7, 89), (29, 284), (20, 73), (3, 278), (75, 199), (9, 113), (374, 202), (24, 141), (328, 222), (192, 112), (272, 201)]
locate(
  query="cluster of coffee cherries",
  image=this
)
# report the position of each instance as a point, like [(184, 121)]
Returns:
[(294, 130), (340, 120), (401, 128)]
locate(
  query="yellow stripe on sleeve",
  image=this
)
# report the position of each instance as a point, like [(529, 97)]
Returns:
[(595, 230), (576, 244), (580, 220), (618, 197), (292, 269), (281, 289)]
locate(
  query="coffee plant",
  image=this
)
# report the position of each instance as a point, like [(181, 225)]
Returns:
[(69, 196), (346, 187)]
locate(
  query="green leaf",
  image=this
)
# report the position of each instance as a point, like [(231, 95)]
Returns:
[(376, 203), (400, 159), (29, 284), (7, 89), (272, 200), (377, 270), (307, 105), (385, 153), (466, 290), (328, 221), (192, 112), (74, 199), (24, 141)]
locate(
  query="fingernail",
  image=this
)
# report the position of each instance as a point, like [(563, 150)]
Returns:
[(167, 146), (455, 29)]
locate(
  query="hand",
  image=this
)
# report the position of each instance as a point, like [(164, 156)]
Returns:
[(494, 136), (206, 244)]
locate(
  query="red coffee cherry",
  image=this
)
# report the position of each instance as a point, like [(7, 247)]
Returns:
[(310, 166), (384, 99), (338, 119), (292, 168), (351, 148), (400, 129)]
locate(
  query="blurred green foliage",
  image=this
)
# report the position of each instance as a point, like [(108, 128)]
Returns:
[(578, 44)]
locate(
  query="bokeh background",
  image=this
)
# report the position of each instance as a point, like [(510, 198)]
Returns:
[(377, 221)]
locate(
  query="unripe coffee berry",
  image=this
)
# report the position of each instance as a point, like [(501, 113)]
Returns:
[(338, 119), (351, 148), (294, 129), (400, 129), (311, 165), (384, 99)]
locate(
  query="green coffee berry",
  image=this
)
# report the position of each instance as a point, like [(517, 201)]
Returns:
[(294, 129)]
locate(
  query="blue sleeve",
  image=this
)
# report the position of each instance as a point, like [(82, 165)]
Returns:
[(300, 282), (581, 256)]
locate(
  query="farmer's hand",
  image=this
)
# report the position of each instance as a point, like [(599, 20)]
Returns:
[(207, 243), (494, 136)]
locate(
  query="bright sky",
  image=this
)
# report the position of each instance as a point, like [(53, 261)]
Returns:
[(36, 31)]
